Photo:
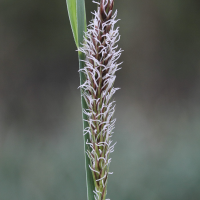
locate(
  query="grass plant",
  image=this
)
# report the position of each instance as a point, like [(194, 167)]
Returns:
[(98, 57)]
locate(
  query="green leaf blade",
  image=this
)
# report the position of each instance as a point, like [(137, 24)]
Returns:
[(77, 15), (82, 27), (81, 20), (71, 7), (89, 177)]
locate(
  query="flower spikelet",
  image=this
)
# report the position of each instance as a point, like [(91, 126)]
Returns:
[(101, 54)]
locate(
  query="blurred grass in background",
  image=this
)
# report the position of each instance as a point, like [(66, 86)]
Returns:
[(158, 109)]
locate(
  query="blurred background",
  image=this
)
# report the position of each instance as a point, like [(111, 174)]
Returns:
[(157, 155)]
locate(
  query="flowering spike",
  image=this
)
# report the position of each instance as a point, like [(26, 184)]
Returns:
[(100, 66)]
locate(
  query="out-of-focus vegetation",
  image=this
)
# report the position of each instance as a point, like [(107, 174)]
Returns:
[(158, 109)]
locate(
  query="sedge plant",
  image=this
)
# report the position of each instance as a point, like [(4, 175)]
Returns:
[(98, 55)]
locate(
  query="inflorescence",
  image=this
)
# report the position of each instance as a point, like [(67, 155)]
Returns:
[(101, 54)]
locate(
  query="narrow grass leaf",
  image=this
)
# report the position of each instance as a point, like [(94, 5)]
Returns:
[(71, 6), (82, 27), (77, 16)]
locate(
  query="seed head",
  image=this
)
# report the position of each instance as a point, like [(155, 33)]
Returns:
[(101, 54)]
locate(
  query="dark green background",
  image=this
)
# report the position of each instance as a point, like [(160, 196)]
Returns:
[(157, 156)]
